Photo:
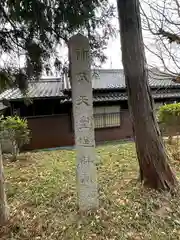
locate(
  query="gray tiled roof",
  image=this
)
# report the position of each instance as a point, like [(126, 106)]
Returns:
[(119, 96), (108, 79), (109, 97), (41, 89), (114, 79), (101, 79)]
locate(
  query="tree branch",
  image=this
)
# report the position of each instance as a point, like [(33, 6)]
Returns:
[(170, 36)]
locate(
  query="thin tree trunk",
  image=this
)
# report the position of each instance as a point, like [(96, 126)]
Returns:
[(155, 171), (4, 211)]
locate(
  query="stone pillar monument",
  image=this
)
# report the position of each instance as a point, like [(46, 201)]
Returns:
[(79, 54)]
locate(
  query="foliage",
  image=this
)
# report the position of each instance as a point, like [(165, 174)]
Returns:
[(16, 131), (34, 30), (42, 195), (169, 117)]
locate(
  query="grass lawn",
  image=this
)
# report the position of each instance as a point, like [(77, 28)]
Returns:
[(42, 198)]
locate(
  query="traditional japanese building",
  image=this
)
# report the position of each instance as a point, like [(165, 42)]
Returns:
[(50, 113)]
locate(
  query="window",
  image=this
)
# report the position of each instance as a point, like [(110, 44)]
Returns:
[(106, 116)]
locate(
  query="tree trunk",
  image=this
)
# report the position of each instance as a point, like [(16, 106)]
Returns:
[(4, 211), (155, 171)]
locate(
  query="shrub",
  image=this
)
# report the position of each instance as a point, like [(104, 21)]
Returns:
[(169, 118), (16, 130)]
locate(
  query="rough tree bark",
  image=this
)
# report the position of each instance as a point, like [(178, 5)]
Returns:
[(155, 171), (4, 211)]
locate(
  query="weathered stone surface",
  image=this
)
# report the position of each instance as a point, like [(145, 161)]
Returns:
[(79, 53)]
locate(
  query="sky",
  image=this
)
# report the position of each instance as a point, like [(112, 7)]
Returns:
[(113, 51), (171, 13)]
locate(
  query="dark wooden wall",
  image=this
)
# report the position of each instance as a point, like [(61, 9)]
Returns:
[(50, 131), (56, 131)]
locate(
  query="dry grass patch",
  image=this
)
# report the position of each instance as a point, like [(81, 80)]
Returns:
[(42, 198)]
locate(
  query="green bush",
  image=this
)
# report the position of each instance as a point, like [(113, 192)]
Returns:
[(169, 118), (16, 130), (169, 113)]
